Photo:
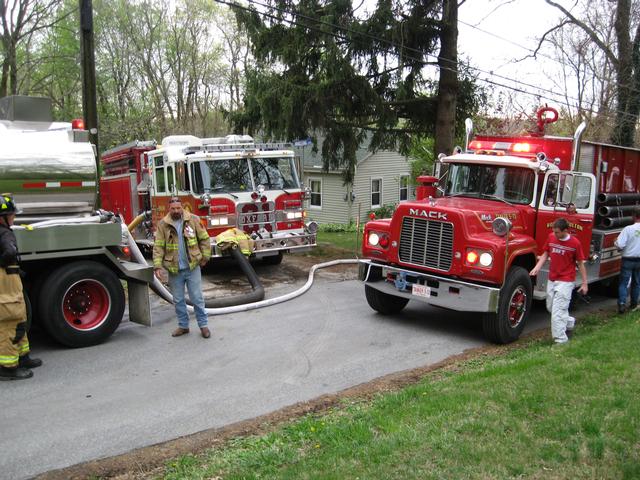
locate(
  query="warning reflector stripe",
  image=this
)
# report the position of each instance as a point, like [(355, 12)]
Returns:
[(58, 184)]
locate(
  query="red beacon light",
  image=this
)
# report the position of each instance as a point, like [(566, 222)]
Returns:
[(77, 124), (254, 196)]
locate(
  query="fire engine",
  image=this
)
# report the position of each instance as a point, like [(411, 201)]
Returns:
[(74, 258), (227, 181), (472, 235)]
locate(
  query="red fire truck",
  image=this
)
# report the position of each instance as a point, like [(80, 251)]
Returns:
[(228, 182), (472, 235)]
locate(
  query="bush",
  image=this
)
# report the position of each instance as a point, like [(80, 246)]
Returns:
[(337, 227), (385, 211)]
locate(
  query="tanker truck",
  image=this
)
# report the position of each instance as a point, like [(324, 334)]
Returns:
[(472, 235), (74, 259)]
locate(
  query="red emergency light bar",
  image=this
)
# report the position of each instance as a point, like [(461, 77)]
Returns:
[(515, 147), (77, 124)]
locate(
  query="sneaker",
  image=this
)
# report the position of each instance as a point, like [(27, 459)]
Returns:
[(622, 308), (633, 307)]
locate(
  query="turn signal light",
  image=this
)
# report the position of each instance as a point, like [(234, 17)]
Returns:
[(472, 257)]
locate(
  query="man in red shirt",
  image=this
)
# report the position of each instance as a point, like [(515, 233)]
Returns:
[(563, 252)]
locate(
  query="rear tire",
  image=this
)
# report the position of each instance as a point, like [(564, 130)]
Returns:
[(81, 304), (514, 306), (383, 302)]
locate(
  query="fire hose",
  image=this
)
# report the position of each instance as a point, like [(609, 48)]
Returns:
[(162, 291)]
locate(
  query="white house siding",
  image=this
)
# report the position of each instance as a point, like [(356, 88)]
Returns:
[(386, 165), (334, 208)]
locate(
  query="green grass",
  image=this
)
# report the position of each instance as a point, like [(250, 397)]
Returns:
[(333, 243), (541, 412)]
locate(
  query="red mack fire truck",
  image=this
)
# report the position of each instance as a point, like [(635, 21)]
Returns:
[(472, 235), (228, 182)]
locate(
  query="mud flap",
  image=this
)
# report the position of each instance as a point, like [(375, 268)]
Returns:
[(139, 306)]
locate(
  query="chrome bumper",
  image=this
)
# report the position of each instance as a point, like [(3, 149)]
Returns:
[(286, 243), (442, 291)]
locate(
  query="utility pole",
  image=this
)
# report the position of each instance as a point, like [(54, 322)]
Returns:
[(89, 101)]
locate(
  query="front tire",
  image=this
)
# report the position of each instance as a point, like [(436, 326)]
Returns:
[(383, 302), (273, 259), (514, 306), (81, 304)]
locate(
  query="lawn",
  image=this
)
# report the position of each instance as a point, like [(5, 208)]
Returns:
[(540, 412), (337, 243)]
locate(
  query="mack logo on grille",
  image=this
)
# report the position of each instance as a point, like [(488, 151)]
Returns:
[(428, 214)]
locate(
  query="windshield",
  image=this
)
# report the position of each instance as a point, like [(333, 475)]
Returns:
[(511, 184), (219, 176), (274, 173)]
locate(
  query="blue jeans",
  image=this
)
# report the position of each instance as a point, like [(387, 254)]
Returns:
[(630, 270), (193, 280)]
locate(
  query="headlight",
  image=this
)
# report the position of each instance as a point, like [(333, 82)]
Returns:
[(374, 239), (476, 257), (486, 259), (293, 215)]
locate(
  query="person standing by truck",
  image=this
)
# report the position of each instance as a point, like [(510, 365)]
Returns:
[(182, 247), (564, 251), (629, 243), (15, 363)]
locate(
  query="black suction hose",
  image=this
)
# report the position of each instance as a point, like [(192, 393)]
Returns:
[(257, 290)]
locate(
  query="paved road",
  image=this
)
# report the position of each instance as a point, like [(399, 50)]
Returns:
[(143, 387)]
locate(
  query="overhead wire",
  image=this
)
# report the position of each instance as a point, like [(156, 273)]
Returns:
[(551, 95)]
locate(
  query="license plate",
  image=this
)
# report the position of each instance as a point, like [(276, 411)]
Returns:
[(421, 290), (255, 218)]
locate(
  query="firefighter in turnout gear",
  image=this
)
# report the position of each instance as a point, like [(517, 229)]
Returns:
[(182, 247), (15, 363)]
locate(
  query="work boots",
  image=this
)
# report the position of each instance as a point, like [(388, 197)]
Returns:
[(27, 362), (15, 373)]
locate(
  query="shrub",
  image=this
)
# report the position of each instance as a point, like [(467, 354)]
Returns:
[(385, 211)]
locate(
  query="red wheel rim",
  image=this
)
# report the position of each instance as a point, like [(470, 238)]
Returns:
[(86, 305), (517, 306)]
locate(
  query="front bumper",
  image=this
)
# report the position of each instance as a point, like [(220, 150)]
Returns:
[(432, 289), (279, 242)]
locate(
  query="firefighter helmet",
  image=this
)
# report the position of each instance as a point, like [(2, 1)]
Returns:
[(7, 205)]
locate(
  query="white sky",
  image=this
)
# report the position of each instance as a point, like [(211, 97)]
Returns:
[(520, 22)]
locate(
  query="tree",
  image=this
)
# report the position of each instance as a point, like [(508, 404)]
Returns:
[(623, 55), (21, 19), (326, 67)]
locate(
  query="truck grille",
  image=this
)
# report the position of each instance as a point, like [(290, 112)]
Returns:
[(428, 243)]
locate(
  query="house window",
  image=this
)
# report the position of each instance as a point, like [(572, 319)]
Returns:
[(315, 184), (376, 192), (404, 187)]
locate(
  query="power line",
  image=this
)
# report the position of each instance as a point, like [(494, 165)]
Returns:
[(554, 96)]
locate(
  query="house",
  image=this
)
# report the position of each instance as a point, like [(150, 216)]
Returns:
[(380, 178)]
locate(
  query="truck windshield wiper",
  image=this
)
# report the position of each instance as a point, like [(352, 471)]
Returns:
[(463, 194), (495, 197)]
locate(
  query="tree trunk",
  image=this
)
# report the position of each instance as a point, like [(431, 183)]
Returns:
[(448, 83), (624, 130)]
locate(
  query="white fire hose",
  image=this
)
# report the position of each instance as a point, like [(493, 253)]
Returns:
[(160, 289)]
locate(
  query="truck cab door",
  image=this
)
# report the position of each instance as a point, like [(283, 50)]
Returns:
[(561, 191)]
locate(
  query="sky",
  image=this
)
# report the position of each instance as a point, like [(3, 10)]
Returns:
[(495, 33)]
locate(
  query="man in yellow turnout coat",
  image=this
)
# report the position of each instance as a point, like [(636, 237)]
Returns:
[(15, 363), (181, 247)]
